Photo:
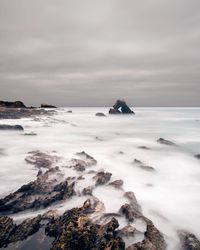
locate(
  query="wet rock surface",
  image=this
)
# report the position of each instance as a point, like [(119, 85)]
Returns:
[(120, 107), (100, 114), (42, 192), (82, 227), (47, 106), (166, 142), (141, 165), (16, 104), (11, 127), (189, 241)]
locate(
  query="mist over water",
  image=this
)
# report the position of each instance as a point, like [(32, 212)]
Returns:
[(169, 196)]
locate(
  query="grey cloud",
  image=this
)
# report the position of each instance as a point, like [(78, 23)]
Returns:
[(88, 53)]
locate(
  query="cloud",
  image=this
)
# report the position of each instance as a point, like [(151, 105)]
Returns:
[(88, 53)]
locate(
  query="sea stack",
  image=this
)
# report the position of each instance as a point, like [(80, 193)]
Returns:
[(120, 107)]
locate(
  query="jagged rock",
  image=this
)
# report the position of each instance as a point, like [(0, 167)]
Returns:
[(47, 106), (102, 177), (189, 241), (128, 230), (154, 240), (17, 104), (197, 156), (142, 165), (6, 228), (74, 230), (120, 107), (130, 211), (166, 142), (117, 183), (11, 127), (100, 114), (42, 192), (40, 159)]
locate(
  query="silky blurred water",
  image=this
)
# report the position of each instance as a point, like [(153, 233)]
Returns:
[(169, 196)]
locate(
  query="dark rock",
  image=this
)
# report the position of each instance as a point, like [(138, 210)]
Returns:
[(130, 211), (166, 142), (42, 192), (89, 160), (87, 191), (100, 114), (102, 177), (11, 127), (74, 230), (154, 240), (6, 228), (197, 156), (144, 147), (17, 104), (142, 165), (69, 111), (189, 241), (47, 106), (117, 183), (120, 107)]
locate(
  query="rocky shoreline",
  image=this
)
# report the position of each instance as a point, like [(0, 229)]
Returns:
[(84, 227)]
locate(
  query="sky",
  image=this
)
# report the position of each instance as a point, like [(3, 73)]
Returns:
[(92, 52)]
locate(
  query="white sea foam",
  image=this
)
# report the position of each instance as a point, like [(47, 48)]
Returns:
[(169, 196)]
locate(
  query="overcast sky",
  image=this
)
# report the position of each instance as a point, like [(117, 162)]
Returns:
[(89, 52)]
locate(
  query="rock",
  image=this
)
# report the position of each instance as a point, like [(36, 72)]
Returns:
[(189, 241), (130, 212), (166, 142), (120, 107), (100, 114), (154, 240), (69, 111), (11, 127), (144, 147), (47, 106), (89, 160), (42, 192), (127, 231), (87, 191), (102, 177), (16, 104), (197, 156), (30, 134), (40, 159), (74, 230), (6, 228), (142, 165), (117, 183)]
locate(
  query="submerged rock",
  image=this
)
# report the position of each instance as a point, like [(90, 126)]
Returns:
[(197, 156), (166, 142), (142, 165), (120, 107), (100, 114), (117, 183), (144, 147), (11, 127)]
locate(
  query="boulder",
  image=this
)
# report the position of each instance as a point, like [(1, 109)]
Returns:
[(189, 241), (11, 127), (197, 156), (102, 177), (120, 107)]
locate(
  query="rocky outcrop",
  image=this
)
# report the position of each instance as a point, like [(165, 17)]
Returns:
[(11, 127), (16, 104), (47, 106), (189, 241), (74, 230), (42, 192), (166, 142), (120, 107)]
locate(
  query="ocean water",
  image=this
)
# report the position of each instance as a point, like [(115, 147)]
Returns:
[(169, 196)]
